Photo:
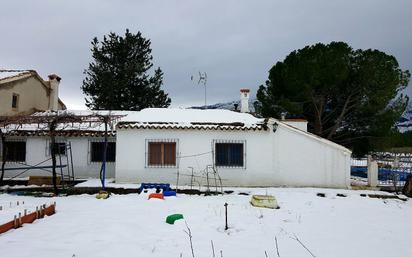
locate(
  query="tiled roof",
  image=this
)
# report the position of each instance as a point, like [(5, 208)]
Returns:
[(12, 75), (190, 126)]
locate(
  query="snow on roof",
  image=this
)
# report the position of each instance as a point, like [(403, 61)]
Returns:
[(11, 74), (191, 118), (176, 115), (148, 118)]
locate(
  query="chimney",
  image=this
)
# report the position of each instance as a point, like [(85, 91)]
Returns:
[(54, 82), (244, 99)]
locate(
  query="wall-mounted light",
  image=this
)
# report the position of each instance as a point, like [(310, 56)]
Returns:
[(275, 127)]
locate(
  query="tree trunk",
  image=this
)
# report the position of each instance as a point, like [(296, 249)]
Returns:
[(103, 169), (339, 119), (318, 128), (52, 129), (318, 104), (3, 156)]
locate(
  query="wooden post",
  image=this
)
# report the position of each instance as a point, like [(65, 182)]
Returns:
[(20, 219), (226, 226)]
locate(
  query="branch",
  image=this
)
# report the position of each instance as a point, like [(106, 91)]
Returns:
[(339, 119), (297, 239), (277, 247), (189, 233)]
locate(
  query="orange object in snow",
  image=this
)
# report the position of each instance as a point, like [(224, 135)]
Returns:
[(156, 195)]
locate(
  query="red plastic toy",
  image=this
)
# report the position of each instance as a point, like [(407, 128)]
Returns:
[(156, 195)]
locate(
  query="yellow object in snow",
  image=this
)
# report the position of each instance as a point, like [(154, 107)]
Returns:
[(265, 201), (102, 195)]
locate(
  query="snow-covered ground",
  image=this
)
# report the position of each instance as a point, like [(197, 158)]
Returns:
[(131, 225)]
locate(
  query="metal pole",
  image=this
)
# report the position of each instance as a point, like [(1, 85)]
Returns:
[(226, 226), (205, 97), (104, 154), (71, 159), (61, 168)]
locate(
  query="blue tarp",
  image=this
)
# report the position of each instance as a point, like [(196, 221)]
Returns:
[(383, 174)]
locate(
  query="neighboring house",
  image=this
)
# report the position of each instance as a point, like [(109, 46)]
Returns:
[(157, 144), (25, 92)]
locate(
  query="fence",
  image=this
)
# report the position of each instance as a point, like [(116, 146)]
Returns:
[(393, 168)]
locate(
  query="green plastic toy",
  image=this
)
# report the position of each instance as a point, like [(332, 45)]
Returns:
[(172, 218)]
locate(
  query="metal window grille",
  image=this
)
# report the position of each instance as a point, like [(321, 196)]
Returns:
[(96, 148), (15, 151), (161, 153), (230, 153), (60, 147)]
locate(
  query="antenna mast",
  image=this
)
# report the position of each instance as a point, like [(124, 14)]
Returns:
[(202, 81)]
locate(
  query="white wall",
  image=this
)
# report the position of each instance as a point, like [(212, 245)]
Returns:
[(302, 125), (37, 151), (131, 152), (286, 157), (301, 160)]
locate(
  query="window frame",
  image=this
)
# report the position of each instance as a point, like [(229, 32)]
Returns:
[(17, 97), (161, 141), (90, 153), (57, 141), (228, 141)]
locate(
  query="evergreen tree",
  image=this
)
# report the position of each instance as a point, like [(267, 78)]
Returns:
[(119, 76), (349, 96)]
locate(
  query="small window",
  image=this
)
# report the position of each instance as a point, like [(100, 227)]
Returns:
[(59, 148), (229, 155), (15, 151), (15, 101), (162, 154), (97, 149)]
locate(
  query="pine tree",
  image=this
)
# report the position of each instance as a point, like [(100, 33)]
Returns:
[(352, 97), (119, 77)]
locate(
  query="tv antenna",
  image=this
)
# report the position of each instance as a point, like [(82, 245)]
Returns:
[(201, 80)]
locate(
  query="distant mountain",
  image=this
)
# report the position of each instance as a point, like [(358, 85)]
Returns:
[(405, 123), (228, 105)]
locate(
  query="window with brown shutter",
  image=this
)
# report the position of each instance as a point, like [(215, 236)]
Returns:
[(162, 154)]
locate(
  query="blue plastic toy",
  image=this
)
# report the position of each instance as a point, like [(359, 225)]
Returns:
[(169, 193)]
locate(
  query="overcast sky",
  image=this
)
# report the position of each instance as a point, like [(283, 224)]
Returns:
[(235, 42)]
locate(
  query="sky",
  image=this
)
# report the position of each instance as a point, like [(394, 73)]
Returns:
[(235, 42)]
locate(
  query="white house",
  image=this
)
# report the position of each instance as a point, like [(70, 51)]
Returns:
[(166, 145), (154, 145)]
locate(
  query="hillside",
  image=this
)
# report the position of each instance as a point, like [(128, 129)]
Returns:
[(405, 123)]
